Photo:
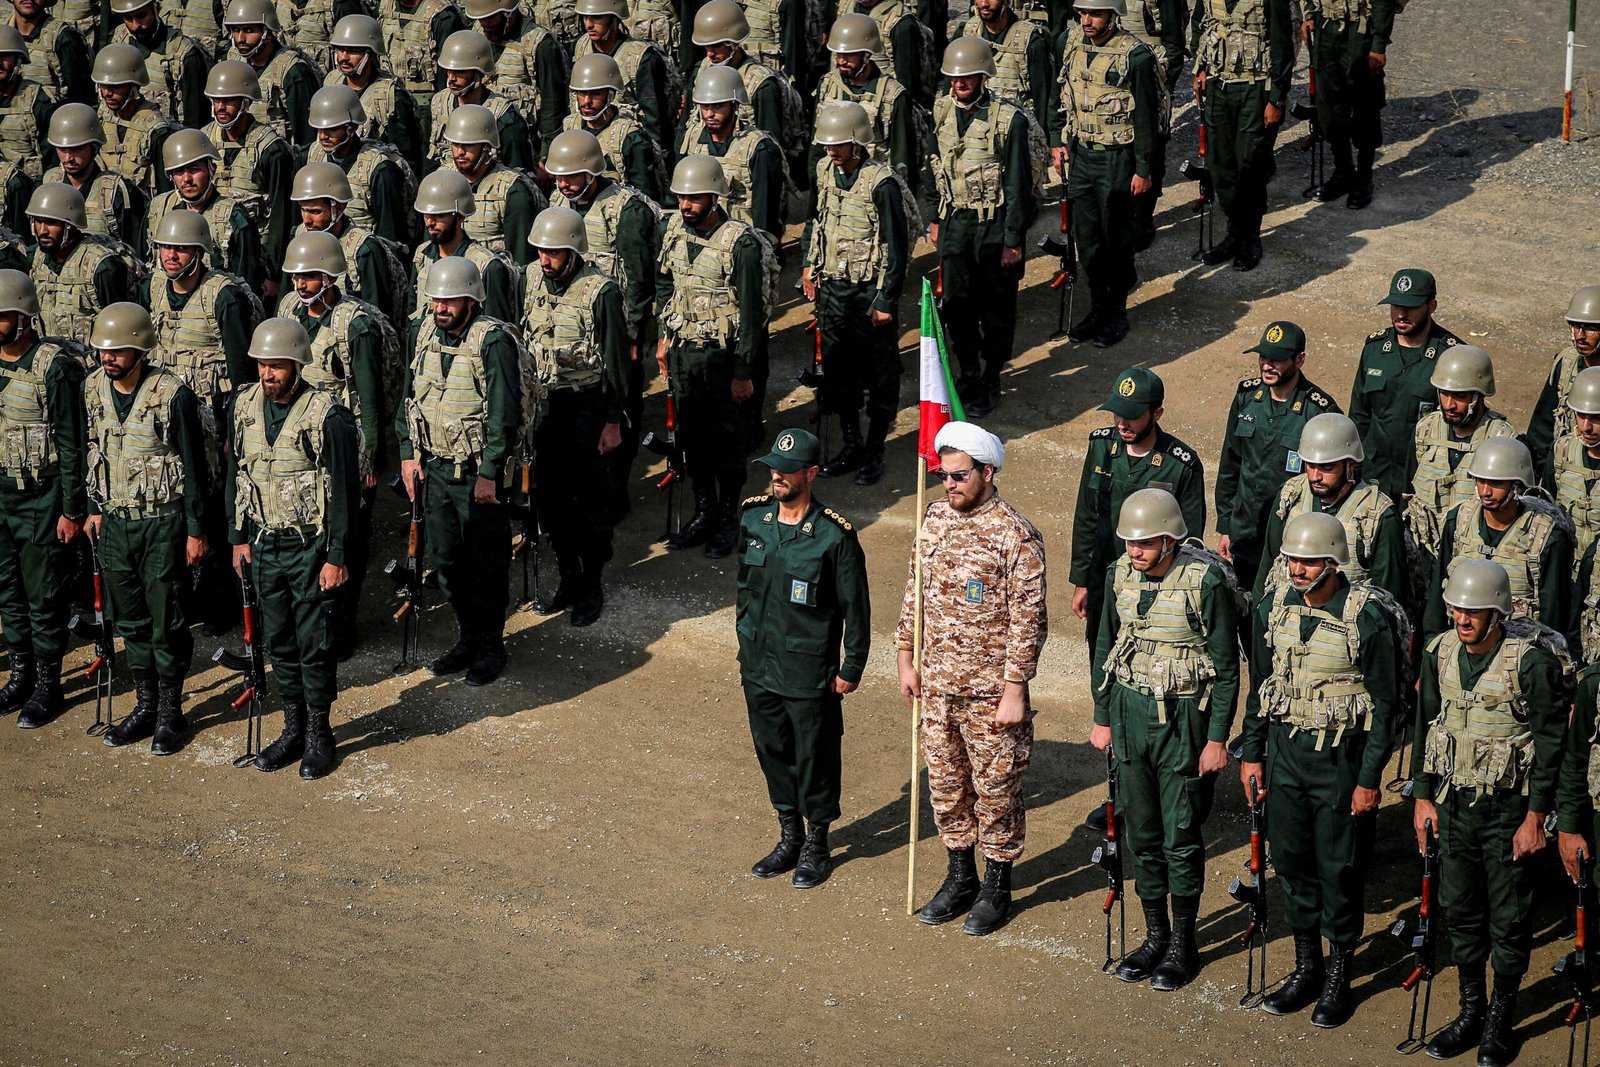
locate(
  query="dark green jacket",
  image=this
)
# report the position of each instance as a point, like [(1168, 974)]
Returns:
[(1260, 451), (63, 392), (1574, 804), (1555, 566), (1392, 390), (1109, 476), (367, 371), (892, 233), (1386, 560), (503, 383), (188, 436)]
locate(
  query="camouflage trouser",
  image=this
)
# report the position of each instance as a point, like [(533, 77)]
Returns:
[(975, 773)]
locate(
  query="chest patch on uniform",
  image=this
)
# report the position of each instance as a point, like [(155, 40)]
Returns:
[(1155, 460), (799, 591), (974, 592), (1292, 464)]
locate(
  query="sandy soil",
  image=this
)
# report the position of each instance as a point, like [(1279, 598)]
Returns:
[(555, 869)]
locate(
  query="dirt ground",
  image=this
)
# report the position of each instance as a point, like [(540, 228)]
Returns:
[(556, 869)]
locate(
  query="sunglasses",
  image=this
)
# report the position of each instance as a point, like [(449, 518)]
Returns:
[(959, 477)]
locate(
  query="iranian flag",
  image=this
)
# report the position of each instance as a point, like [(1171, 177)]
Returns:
[(939, 401)]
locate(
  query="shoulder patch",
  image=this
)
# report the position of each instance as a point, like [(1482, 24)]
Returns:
[(1376, 335), (755, 501), (1178, 450), (1102, 432), (1249, 384), (1319, 398), (843, 522)]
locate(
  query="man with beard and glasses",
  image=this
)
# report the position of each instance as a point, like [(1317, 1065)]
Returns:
[(983, 628), (75, 273), (358, 65), (445, 202), (506, 198), (1552, 417), (802, 595), (147, 499), (292, 490), (176, 64), (467, 63), (42, 502), (191, 161), (111, 203), (287, 75), (531, 66), (379, 179), (257, 164)]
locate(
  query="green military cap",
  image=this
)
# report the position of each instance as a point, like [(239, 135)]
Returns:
[(1281, 340), (1137, 390), (1411, 288), (794, 450)]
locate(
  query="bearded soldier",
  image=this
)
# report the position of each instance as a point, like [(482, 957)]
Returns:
[(257, 164), (1349, 44), (1023, 69), (25, 108), (309, 24), (76, 273), (506, 198), (1551, 416), (147, 491), (531, 66), (775, 35), (42, 503), (374, 270), (287, 75), (632, 155), (855, 251), (1166, 675), (642, 63), (856, 78), (176, 64), (135, 129), (751, 159), (1572, 472), (1492, 710), (390, 110), (112, 205), (291, 494), (467, 60), (574, 322), (721, 28), (379, 179), (445, 202), (1327, 700), (908, 45), (57, 54), (412, 37), (191, 161)]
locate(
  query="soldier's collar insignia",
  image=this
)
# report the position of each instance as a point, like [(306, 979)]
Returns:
[(1155, 460)]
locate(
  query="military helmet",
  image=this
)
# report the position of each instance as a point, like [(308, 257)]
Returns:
[(315, 252), (11, 41), (281, 337), (617, 9), (718, 84), (595, 71), (185, 147), (482, 9), (452, 277), (1464, 369), (472, 124), (1475, 584), (321, 181), (720, 22), (252, 13), (855, 32), (1116, 7), (1585, 305), (231, 78), (697, 175), (575, 152), (333, 106), (58, 202), (1503, 459), (1330, 437), (357, 33), (966, 56), (72, 125), (445, 192), (559, 227), (1151, 513), (1315, 535), (467, 50), (1585, 395), (17, 293), (183, 228), (843, 122), (119, 64), (122, 325), (128, 7)]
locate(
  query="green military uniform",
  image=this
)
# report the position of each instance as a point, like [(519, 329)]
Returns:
[(134, 144), (644, 81), (177, 67), (16, 188), (95, 273), (256, 170), (909, 47), (778, 30), (115, 208), (1439, 478), (518, 149), (1578, 789), (374, 271), (892, 109), (1572, 476), (1372, 529), (289, 79), (1024, 67), (533, 69), (1350, 98), (391, 114), (507, 203), (753, 161), (58, 57), (1536, 552), (632, 155), (1551, 418), (233, 233), (501, 279), (380, 199), (412, 37), (1393, 390), (24, 122)]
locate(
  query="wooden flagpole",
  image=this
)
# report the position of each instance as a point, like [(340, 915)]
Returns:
[(916, 702)]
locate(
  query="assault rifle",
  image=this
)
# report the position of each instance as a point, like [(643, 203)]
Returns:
[(1108, 855), (1419, 983), (1314, 142), (668, 449), (407, 573), (525, 546), (251, 666), (1254, 896), (811, 375), (103, 634), (1574, 966), (1065, 282)]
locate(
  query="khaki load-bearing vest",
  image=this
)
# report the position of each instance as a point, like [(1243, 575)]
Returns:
[(967, 169), (736, 167), (480, 254), (408, 46), (1577, 490), (624, 122), (369, 157), (487, 225), (282, 485), (561, 18), (378, 101), (878, 104), (1568, 364), (516, 70), (654, 20), (235, 178), (844, 243), (189, 341), (308, 27), (196, 19), (44, 53), (1358, 513), (99, 201), (1519, 549), (447, 411), (441, 107), (601, 224), (20, 139), (1010, 77), (165, 68), (1436, 488), (629, 54), (1098, 112), (134, 463), (1233, 46), (763, 43), (703, 309), (332, 367), (1593, 775), (218, 215), (1357, 11), (27, 434), (68, 302), (273, 107), (127, 148), (560, 327), (1163, 652)]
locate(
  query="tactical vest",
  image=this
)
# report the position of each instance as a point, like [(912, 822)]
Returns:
[(1010, 78), (1436, 488), (308, 26), (1098, 112), (516, 70), (218, 215), (1357, 11), (68, 302), (480, 254), (1518, 551), (27, 435), (369, 157), (100, 202), (1358, 513), (1577, 490), (44, 53), (601, 224), (560, 327), (629, 54), (703, 309), (887, 14), (21, 140), (1568, 364), (282, 485), (1480, 739), (134, 463), (1589, 620), (332, 368), (878, 104), (1145, 23), (235, 178), (443, 104), (1161, 653), (83, 15), (1316, 684), (736, 167), (447, 411), (273, 108), (196, 19), (968, 169), (754, 75), (613, 139), (378, 102), (844, 242), (354, 281), (128, 148), (562, 19), (408, 45), (765, 19), (1233, 46), (654, 20), (164, 68), (487, 225), (189, 341)]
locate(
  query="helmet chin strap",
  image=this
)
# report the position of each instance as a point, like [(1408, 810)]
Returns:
[(260, 43), (194, 265), (320, 297), (477, 79), (1311, 586), (366, 61), (231, 123)]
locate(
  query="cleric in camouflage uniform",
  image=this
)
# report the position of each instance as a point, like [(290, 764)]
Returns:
[(1350, 41), (983, 628), (1551, 417)]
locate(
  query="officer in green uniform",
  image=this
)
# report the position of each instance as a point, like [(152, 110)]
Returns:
[(288, 76), (1393, 386), (1551, 417), (256, 164), (42, 503), (147, 499), (891, 107), (378, 175), (632, 155), (58, 55), (752, 159), (191, 162), (714, 330), (469, 394), (1572, 471), (359, 65), (1113, 116), (292, 489), (855, 249), (802, 595), (135, 128), (1165, 671), (506, 198), (467, 60), (177, 64), (445, 202), (374, 268), (574, 324), (25, 108), (531, 65), (75, 273), (1260, 447), (978, 188), (112, 205), (1024, 67), (1244, 62), (1350, 42), (1493, 710), (1326, 702)]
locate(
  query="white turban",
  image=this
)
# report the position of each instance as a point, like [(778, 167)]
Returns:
[(974, 440)]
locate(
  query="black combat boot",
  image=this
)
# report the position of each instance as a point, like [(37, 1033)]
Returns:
[(1114, 327), (1087, 327), (699, 528), (458, 658), (1222, 251), (1096, 819), (814, 864), (141, 721), (171, 726), (565, 593), (850, 455), (872, 468), (1462, 1032), (590, 600), (1498, 1046), (1335, 1006), (985, 398), (1304, 984), (1137, 965), (1182, 961), (726, 533), (489, 662), (317, 759), (791, 828), (1361, 188), (993, 905), (45, 705), (19, 687), (967, 384), (960, 889), (1248, 258), (291, 744)]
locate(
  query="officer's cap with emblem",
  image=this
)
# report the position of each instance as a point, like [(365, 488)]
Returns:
[(984, 447), (793, 450), (1280, 341), (1411, 288), (1136, 391)]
